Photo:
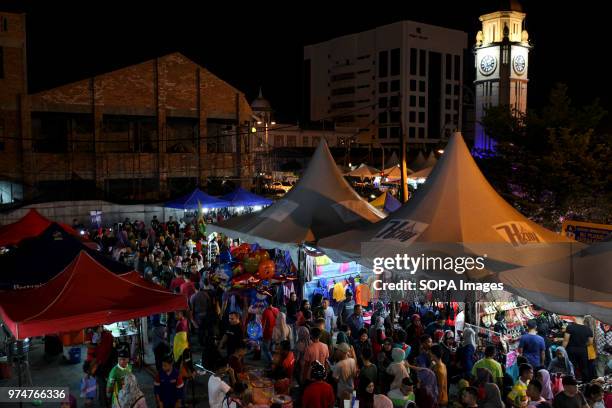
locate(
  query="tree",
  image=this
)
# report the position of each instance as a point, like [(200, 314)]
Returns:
[(552, 164)]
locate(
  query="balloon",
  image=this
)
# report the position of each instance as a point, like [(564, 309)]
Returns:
[(263, 254), (238, 269), (250, 264), (266, 269)]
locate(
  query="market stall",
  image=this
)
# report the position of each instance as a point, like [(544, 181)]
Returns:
[(386, 202), (31, 225), (85, 294), (240, 198), (37, 260), (196, 199)]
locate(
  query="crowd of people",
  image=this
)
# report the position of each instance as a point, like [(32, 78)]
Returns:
[(321, 354)]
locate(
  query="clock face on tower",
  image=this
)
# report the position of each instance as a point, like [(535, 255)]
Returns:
[(519, 64), (488, 64)]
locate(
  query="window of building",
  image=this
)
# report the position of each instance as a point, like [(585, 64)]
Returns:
[(395, 116), (421, 133), (362, 57), (447, 118), (411, 132), (421, 117), (412, 116), (456, 89), (422, 62), (382, 133), (343, 91), (456, 118), (456, 104), (382, 102), (316, 140), (363, 100), (449, 89), (363, 86), (343, 77), (279, 140), (457, 68), (394, 101), (448, 66), (290, 141), (383, 87), (305, 141), (382, 117), (395, 61), (363, 71), (421, 101), (413, 100), (421, 86), (413, 61), (395, 132), (413, 87), (383, 64), (447, 103), (343, 105), (395, 85)]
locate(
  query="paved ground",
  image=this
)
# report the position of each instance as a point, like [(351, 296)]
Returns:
[(55, 372)]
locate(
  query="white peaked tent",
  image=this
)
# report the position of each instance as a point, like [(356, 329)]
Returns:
[(392, 161), (431, 160), (577, 285), (395, 173), (421, 174), (419, 162), (364, 171), (457, 210), (321, 204)]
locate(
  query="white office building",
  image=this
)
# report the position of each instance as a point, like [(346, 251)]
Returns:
[(406, 73)]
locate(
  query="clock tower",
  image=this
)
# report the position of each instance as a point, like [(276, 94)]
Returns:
[(502, 61)]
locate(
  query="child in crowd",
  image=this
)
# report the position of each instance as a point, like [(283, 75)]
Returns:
[(89, 385)]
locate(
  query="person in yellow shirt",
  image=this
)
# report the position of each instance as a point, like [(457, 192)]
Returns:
[(439, 369), (520, 386)]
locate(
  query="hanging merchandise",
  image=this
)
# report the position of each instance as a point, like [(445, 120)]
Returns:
[(363, 295), (339, 292)]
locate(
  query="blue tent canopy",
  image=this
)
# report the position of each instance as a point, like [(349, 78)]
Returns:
[(242, 198), (391, 203), (190, 201)]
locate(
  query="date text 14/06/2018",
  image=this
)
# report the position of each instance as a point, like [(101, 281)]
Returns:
[(406, 285)]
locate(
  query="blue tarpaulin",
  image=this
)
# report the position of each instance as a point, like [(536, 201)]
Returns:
[(190, 201), (242, 198)]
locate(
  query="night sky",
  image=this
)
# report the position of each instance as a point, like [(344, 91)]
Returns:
[(260, 44)]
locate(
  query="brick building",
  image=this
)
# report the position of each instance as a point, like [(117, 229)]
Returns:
[(147, 131)]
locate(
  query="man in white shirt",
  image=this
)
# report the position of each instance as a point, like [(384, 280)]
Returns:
[(217, 390), (329, 316)]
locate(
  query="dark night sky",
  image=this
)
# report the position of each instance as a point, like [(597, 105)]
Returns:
[(255, 44)]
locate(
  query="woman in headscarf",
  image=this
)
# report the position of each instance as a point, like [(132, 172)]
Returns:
[(489, 395), (415, 330), (561, 363), (281, 330), (398, 368), (544, 377), (301, 319), (130, 395), (367, 398), (426, 393), (343, 337), (448, 350), (378, 336), (468, 348)]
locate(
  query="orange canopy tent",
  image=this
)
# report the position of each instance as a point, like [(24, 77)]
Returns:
[(84, 294), (31, 225)]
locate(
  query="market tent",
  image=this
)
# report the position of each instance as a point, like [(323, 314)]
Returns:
[(242, 198), (419, 162), (31, 225), (321, 204), (395, 173), (85, 294), (431, 160), (364, 171), (392, 161), (421, 174), (386, 202), (191, 200), (458, 208), (37, 260), (577, 285)]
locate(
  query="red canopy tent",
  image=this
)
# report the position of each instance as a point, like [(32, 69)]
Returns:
[(84, 294), (31, 225)]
